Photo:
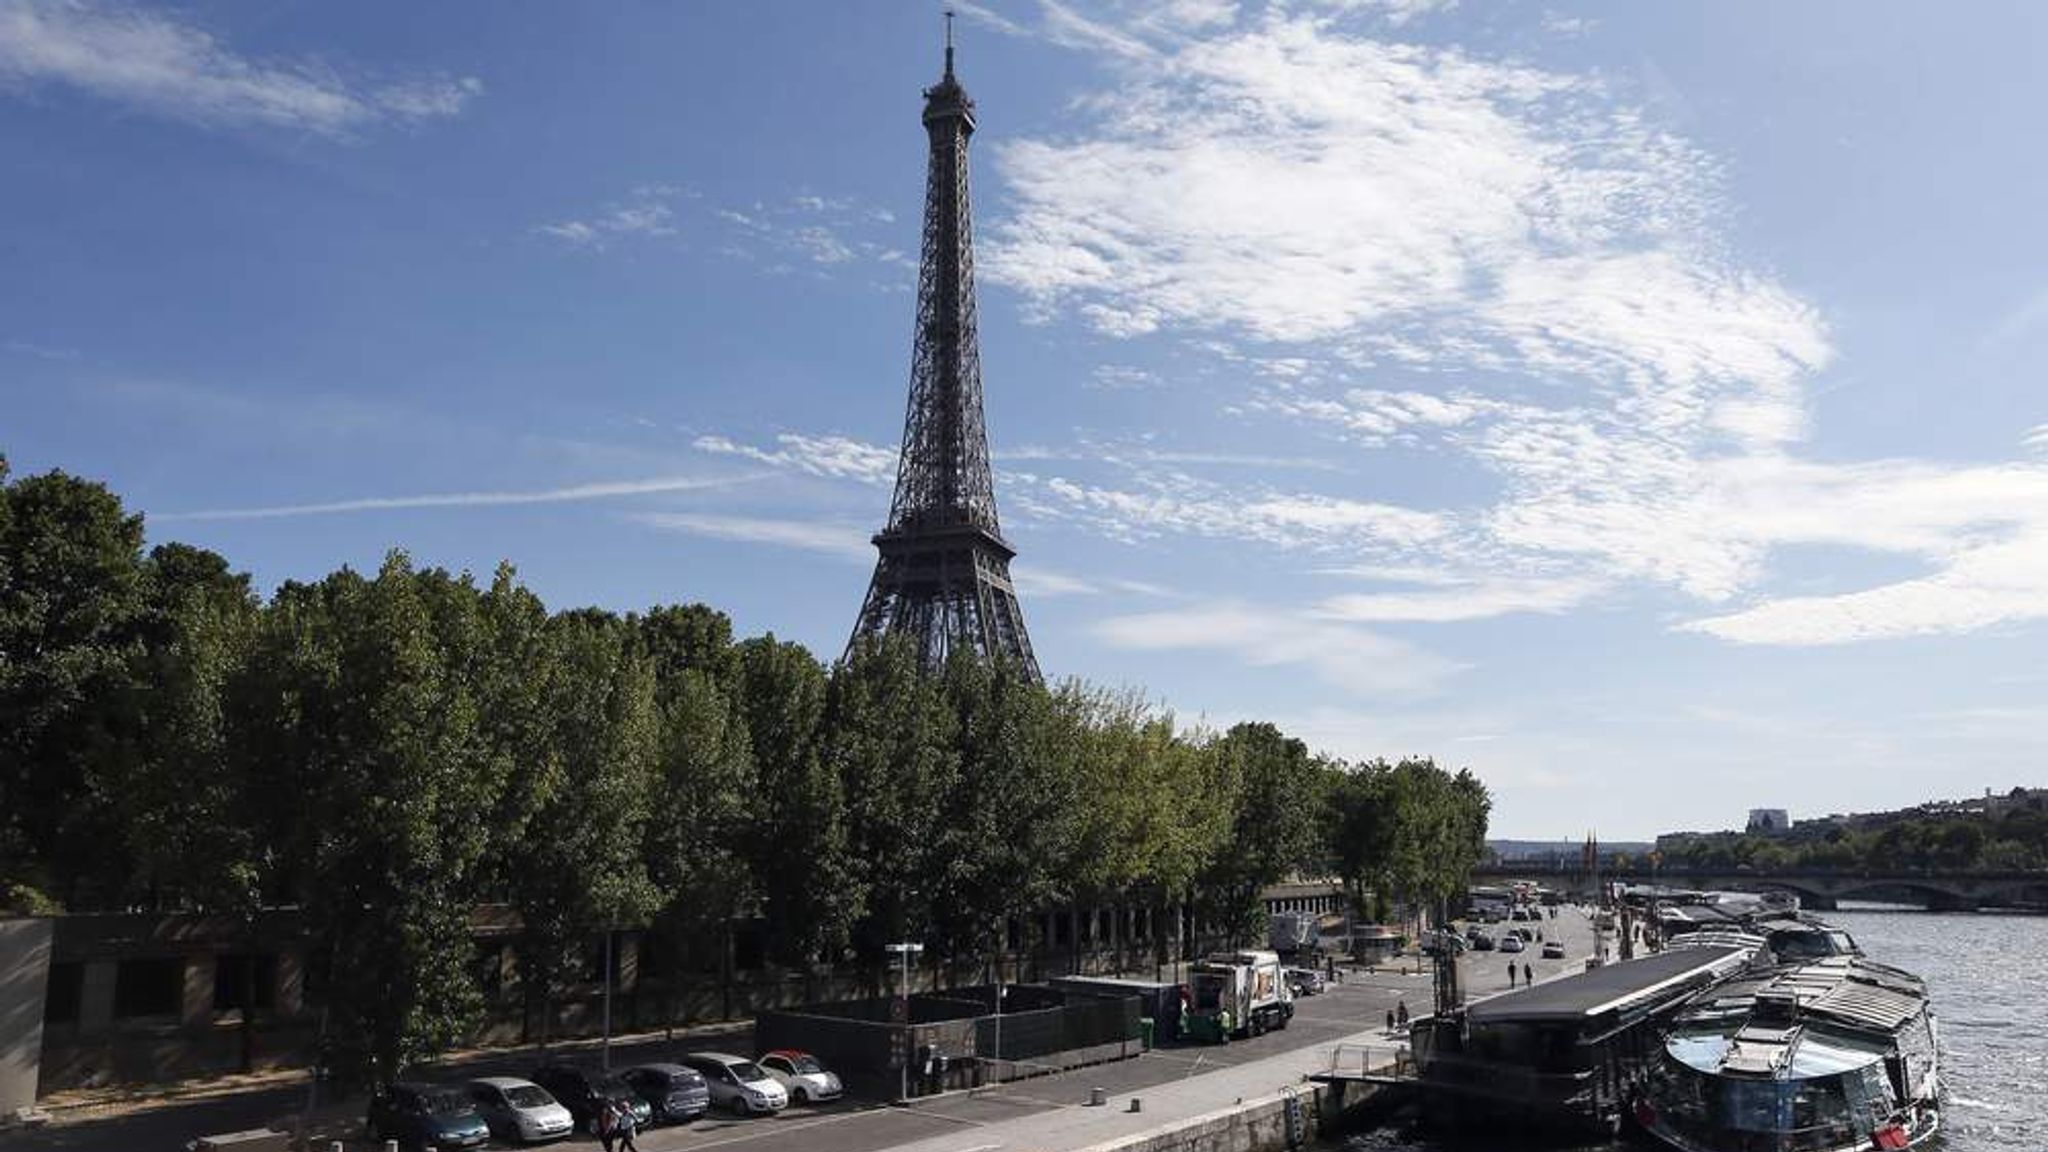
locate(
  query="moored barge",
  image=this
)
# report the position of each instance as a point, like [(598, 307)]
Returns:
[(1829, 1055)]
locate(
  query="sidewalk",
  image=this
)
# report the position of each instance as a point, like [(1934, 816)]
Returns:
[(1071, 1127)]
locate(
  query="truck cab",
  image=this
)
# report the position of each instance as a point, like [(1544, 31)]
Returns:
[(1237, 994)]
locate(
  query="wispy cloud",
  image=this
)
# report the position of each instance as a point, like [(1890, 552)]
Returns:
[(1037, 583), (1160, 499), (153, 61), (1353, 659), (39, 351), (1460, 598), (837, 538), (644, 213), (838, 457), (578, 492), (1124, 377)]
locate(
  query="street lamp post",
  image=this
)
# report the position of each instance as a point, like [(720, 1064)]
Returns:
[(905, 951), (607, 1056), (998, 1054)]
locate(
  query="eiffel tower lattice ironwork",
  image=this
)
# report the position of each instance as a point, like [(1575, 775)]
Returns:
[(943, 578)]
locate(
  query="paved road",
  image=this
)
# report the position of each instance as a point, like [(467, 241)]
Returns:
[(1175, 1080)]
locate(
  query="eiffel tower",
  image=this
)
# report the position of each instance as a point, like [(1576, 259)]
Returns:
[(943, 578)]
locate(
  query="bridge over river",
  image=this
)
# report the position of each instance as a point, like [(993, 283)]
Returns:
[(1817, 888)]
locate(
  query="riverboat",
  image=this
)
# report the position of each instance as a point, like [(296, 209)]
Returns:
[(1828, 1055)]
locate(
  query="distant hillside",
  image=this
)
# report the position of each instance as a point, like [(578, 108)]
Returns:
[(2006, 832)]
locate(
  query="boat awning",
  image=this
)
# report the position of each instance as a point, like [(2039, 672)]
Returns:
[(1611, 987)]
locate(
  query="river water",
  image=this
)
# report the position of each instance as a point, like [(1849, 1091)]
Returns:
[(1988, 975)]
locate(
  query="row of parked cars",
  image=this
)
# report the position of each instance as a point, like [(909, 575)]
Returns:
[(563, 1098)]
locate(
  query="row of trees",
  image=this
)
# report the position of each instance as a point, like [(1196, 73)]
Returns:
[(2007, 836), (387, 752)]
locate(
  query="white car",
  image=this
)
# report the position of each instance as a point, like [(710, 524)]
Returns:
[(801, 1075), (519, 1109), (738, 1083)]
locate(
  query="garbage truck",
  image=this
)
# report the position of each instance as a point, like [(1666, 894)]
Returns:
[(1236, 994)]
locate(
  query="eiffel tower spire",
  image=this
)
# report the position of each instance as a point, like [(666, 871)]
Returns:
[(943, 577)]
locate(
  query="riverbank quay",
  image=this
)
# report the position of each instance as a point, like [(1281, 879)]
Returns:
[(113, 1122), (1178, 1084)]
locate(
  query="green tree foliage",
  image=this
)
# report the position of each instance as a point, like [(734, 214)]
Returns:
[(1006, 826), (388, 773), (1273, 789), (796, 844), (390, 753), (581, 869), (72, 596), (700, 813), (891, 740), (2002, 834), (189, 834)]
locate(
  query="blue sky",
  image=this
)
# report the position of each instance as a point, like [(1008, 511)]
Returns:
[(1638, 404)]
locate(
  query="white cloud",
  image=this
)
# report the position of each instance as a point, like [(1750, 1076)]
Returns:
[(1036, 583), (846, 541), (838, 457), (1353, 659), (644, 213), (578, 492), (153, 61), (1123, 377), (1314, 205), (1475, 598)]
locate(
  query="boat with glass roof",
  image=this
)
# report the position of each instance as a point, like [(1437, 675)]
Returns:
[(1826, 1055)]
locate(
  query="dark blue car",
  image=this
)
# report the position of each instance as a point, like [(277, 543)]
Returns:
[(421, 1115)]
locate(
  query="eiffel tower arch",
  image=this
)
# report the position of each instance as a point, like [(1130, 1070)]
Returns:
[(943, 575)]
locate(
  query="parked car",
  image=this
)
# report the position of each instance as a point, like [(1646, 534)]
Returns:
[(676, 1094), (1306, 981), (519, 1109), (1553, 950), (418, 1115), (801, 1075), (738, 1083), (584, 1092), (1511, 943)]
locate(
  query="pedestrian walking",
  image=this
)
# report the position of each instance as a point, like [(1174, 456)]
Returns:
[(624, 1127), (1390, 1021), (607, 1121), (1511, 975), (1401, 1013), (1528, 976)]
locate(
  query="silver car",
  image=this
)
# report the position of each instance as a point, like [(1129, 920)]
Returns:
[(738, 1083), (519, 1109)]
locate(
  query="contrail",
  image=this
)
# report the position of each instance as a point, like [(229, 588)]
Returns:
[(461, 499)]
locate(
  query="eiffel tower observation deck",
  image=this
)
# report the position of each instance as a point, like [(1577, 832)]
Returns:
[(943, 577)]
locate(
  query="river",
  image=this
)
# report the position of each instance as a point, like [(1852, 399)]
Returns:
[(1988, 975)]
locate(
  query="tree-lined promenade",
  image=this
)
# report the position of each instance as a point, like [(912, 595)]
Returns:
[(388, 751)]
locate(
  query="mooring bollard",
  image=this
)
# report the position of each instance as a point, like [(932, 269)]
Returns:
[(1095, 1097)]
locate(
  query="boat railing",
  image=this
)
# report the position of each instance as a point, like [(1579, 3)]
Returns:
[(1371, 1061), (1841, 1132)]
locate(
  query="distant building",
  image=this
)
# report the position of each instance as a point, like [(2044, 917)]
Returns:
[(1768, 821)]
